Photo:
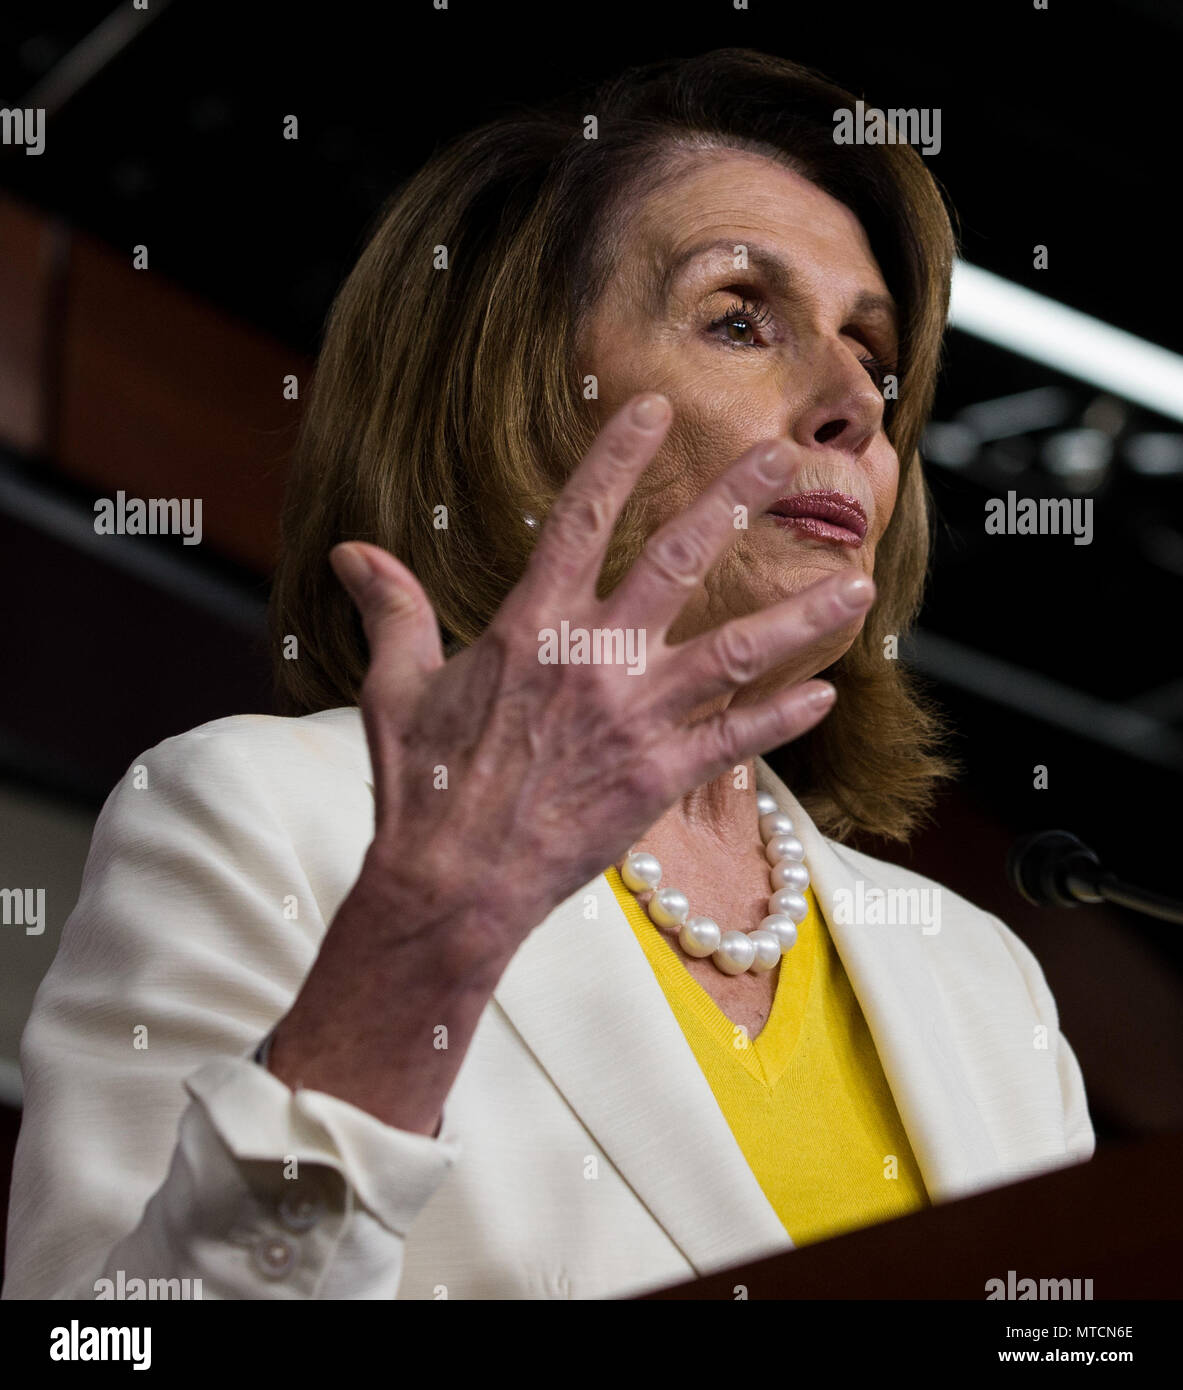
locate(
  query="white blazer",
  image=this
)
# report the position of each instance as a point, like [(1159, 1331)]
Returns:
[(582, 1153)]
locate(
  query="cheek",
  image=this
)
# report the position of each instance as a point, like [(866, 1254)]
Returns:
[(717, 420), (709, 433), (719, 412), (885, 486)]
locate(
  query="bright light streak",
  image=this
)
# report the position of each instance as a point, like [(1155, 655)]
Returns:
[(1044, 330)]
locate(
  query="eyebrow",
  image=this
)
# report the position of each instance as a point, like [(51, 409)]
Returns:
[(776, 271)]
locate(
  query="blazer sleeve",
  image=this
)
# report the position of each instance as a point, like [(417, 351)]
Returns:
[(1079, 1138), (152, 1146)]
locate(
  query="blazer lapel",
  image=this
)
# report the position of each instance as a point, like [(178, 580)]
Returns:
[(585, 1001), (907, 1017)]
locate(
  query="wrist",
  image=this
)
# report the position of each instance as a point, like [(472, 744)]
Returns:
[(463, 937)]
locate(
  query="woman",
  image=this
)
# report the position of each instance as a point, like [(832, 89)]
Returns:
[(634, 393)]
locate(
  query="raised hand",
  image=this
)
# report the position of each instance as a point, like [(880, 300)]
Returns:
[(553, 770)]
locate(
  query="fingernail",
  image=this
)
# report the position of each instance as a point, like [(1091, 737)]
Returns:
[(651, 411), (774, 462), (822, 695), (856, 592), (351, 566)]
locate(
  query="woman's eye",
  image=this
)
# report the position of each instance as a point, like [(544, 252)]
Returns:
[(878, 370), (741, 324), (740, 330)]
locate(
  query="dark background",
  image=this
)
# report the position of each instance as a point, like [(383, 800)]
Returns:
[(1058, 128)]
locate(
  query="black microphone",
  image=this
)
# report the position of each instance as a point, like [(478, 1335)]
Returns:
[(1052, 868)]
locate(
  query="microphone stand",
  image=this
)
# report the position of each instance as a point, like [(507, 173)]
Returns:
[(1052, 868)]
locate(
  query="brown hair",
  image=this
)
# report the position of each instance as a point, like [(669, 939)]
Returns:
[(435, 387)]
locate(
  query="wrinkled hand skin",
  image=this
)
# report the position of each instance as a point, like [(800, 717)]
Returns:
[(554, 770)]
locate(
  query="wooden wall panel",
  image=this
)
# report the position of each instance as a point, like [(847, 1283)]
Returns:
[(26, 286), (165, 396)]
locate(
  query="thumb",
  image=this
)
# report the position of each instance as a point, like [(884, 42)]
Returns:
[(399, 621)]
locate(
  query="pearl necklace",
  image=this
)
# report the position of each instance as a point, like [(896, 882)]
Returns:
[(734, 951)]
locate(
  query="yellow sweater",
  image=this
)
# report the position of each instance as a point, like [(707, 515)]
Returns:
[(806, 1098)]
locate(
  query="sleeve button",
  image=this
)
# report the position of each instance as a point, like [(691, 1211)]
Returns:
[(300, 1213), (274, 1257)]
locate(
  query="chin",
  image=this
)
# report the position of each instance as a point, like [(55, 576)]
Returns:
[(784, 574)]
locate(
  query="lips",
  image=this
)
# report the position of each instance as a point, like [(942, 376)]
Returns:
[(825, 514)]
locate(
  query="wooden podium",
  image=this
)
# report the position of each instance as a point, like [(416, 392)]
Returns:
[(1117, 1220)]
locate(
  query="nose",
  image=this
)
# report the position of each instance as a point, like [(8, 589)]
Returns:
[(842, 407)]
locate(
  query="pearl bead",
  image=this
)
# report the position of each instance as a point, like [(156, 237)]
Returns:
[(791, 903), (774, 850), (768, 951), (775, 823), (782, 927), (789, 873), (700, 936), (736, 953), (788, 847), (668, 908), (641, 872)]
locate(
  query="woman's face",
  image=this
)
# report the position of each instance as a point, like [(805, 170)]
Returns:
[(779, 348)]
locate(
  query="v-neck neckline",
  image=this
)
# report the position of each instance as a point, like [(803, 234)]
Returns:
[(766, 1056)]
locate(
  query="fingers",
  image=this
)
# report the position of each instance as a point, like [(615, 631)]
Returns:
[(678, 555), (721, 661), (399, 621), (573, 542), (720, 742)]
